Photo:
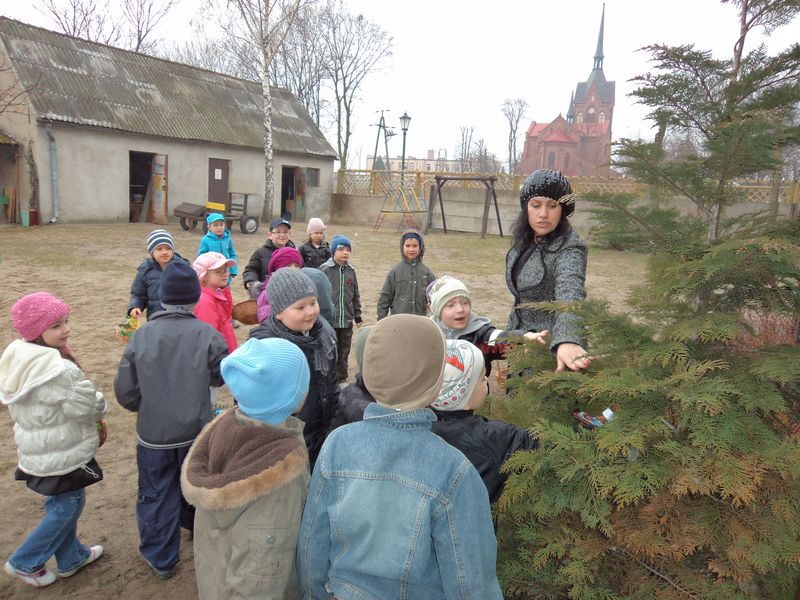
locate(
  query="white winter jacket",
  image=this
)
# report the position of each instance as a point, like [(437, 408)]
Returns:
[(54, 408)]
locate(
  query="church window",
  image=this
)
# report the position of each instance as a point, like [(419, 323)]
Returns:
[(566, 161), (601, 118), (580, 117), (551, 160), (591, 115)]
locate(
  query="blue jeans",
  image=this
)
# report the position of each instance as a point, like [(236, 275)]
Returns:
[(57, 535)]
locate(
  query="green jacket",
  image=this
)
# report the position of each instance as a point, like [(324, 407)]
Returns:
[(248, 481), (404, 289)]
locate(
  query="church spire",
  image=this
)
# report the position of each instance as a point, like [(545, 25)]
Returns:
[(571, 109), (598, 54)]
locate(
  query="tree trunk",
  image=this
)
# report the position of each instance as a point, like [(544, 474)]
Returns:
[(269, 175), (713, 223)]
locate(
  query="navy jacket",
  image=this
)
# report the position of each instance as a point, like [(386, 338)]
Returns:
[(144, 289)]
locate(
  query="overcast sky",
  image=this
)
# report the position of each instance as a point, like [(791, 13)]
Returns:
[(455, 61)]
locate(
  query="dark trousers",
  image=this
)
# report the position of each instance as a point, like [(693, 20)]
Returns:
[(344, 337), (161, 509)]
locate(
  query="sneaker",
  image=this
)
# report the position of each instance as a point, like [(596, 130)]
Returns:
[(95, 552), (42, 577), (162, 575)]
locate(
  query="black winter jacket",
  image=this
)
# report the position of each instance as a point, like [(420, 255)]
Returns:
[(256, 269), (314, 257), (487, 444), (353, 401), (322, 401), (145, 286), (493, 348)]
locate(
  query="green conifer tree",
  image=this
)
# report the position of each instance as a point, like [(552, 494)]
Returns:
[(692, 490), (739, 112)]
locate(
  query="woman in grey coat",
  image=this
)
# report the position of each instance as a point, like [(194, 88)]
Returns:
[(546, 263)]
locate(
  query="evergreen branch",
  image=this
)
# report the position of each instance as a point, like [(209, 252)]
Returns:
[(641, 222), (656, 572), (656, 171)]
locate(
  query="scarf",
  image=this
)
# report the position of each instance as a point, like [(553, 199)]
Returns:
[(475, 323)]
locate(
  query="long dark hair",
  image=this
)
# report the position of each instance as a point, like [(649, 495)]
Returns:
[(524, 236)]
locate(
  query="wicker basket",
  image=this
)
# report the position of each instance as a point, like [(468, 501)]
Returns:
[(246, 312)]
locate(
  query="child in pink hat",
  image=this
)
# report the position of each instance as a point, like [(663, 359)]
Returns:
[(215, 306), (55, 411), (282, 257)]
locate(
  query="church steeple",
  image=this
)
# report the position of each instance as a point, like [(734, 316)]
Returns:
[(570, 110), (598, 54)]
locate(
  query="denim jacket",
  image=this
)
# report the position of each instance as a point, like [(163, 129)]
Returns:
[(393, 511)]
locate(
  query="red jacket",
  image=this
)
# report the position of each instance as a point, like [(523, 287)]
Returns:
[(215, 308)]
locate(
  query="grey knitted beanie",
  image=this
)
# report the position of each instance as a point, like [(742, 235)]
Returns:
[(286, 286)]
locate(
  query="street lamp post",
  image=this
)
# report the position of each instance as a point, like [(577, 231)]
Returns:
[(405, 120)]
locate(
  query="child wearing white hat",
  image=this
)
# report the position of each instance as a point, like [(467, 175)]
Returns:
[(451, 310)]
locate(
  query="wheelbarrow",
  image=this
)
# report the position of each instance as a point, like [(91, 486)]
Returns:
[(233, 209)]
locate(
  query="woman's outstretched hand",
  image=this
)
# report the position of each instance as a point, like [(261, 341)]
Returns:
[(572, 357), (536, 336)]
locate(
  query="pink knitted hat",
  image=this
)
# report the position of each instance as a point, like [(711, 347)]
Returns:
[(37, 312), (283, 257)]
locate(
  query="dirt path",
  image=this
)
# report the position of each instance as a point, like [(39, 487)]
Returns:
[(91, 267)]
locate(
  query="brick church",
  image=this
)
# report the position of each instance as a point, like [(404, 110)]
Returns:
[(581, 143)]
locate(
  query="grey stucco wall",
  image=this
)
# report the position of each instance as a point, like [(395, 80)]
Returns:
[(463, 210), (93, 171)]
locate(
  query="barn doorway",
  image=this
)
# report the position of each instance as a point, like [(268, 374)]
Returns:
[(141, 168), (293, 194)]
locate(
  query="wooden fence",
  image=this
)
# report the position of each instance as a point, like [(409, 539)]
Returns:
[(378, 183)]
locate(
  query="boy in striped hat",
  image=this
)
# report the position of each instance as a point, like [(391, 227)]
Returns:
[(144, 290)]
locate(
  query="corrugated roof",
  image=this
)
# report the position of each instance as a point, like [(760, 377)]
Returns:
[(81, 82)]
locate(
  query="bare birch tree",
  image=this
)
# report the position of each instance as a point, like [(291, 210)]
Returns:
[(267, 23), (513, 111), (354, 46)]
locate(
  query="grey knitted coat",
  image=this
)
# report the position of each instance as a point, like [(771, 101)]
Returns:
[(555, 271)]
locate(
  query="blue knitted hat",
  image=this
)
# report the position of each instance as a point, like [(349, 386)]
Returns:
[(340, 240), (269, 378)]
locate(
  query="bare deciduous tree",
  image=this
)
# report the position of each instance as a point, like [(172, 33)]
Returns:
[(354, 46), (227, 50), (514, 111), (142, 17), (301, 65), (88, 19), (464, 149), (267, 23), (12, 97), (129, 25)]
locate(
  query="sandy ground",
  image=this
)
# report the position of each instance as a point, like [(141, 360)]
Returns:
[(91, 267)]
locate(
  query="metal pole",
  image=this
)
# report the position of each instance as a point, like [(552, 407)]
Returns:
[(403, 159)]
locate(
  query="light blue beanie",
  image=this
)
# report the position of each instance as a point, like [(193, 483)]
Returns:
[(340, 240), (269, 378)]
